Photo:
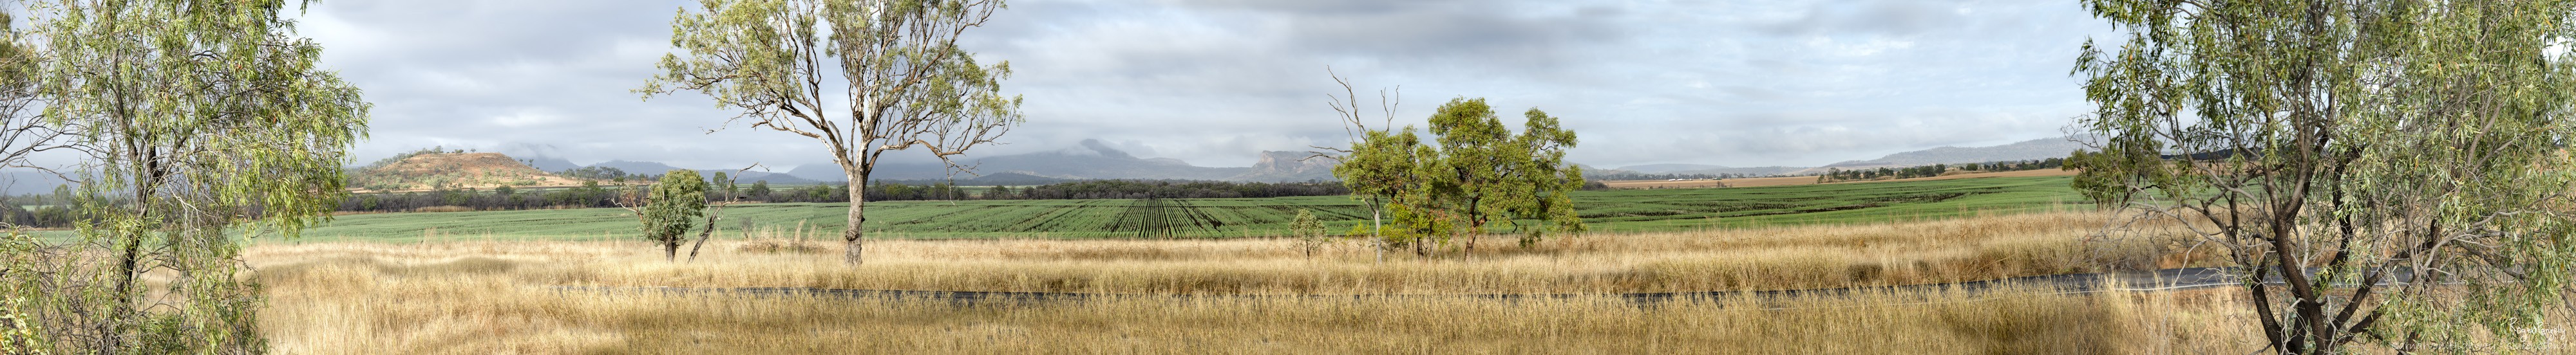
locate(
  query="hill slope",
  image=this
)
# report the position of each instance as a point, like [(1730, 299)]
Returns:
[(2035, 149), (453, 170)]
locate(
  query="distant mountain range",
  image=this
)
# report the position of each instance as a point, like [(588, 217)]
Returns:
[(2025, 150), (2035, 149), (1093, 160)]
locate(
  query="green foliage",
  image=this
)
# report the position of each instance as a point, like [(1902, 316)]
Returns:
[(1381, 169), (1479, 172), (2368, 140), (595, 173), (758, 190), (1488, 173), (724, 183), (1308, 230), (206, 122), (672, 208)]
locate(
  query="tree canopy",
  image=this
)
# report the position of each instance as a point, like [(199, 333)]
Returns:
[(2400, 166), (203, 122), (672, 208)]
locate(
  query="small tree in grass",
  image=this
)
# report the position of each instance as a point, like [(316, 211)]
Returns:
[(1308, 230), (672, 208)]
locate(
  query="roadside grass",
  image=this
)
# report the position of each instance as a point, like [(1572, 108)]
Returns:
[(1618, 211), (1766, 258), (459, 296)]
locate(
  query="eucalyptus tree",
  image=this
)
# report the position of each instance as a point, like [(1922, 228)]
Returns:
[(203, 122), (2400, 167), (23, 132), (901, 76), (672, 208), (1475, 172), (1487, 173), (1379, 164)]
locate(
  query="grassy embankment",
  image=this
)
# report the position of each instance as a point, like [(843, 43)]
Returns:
[(1616, 211), (485, 297)]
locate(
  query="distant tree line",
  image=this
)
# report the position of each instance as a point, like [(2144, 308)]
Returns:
[(1938, 169), (603, 173), (53, 210), (590, 194), (1646, 176), (1098, 189)]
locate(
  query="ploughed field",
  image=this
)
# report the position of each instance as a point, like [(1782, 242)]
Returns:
[(1604, 211)]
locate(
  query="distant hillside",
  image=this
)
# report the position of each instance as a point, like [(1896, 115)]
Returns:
[(550, 163), (1289, 167), (2036, 149), (1666, 168), (453, 170), (30, 181), (2026, 150), (1011, 179), (636, 167)]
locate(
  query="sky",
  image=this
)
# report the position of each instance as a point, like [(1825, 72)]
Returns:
[(1215, 82)]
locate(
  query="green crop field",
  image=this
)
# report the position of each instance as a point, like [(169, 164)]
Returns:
[(1612, 211)]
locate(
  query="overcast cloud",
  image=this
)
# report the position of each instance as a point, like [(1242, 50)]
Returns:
[(1739, 83)]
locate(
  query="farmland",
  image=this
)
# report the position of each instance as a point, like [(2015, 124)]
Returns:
[(1605, 211)]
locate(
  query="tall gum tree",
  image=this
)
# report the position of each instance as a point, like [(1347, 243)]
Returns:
[(902, 77), (2390, 173)]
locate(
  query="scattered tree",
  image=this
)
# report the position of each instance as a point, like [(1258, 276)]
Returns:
[(1378, 166), (758, 190), (1487, 173), (2400, 167), (1477, 173), (908, 83), (1308, 230), (725, 182), (672, 209)]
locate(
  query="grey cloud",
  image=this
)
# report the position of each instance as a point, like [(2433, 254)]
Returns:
[(1883, 17), (1214, 82)]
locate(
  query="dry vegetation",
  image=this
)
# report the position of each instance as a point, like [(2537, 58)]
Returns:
[(495, 297), (456, 171)]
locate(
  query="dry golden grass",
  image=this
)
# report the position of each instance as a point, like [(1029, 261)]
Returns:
[(495, 297), (1739, 259)]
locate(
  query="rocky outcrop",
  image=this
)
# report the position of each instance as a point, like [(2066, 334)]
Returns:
[(1289, 167)]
